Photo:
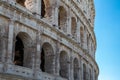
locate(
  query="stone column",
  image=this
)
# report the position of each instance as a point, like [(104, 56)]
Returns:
[(38, 7), (69, 22), (34, 6), (10, 42), (55, 12), (78, 30), (85, 38), (33, 51), (70, 68), (3, 43), (37, 56), (80, 69), (87, 72), (57, 62)]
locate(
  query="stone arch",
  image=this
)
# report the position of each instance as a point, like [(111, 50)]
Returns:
[(84, 72), (81, 35), (76, 69), (73, 27), (62, 19), (45, 8), (23, 50), (63, 60), (47, 58)]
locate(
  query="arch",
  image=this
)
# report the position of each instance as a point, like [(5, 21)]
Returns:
[(42, 8), (23, 50), (62, 19), (21, 2), (81, 36), (45, 8), (63, 59), (47, 58), (84, 72), (76, 69), (73, 27)]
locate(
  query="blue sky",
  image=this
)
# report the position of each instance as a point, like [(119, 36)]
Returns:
[(107, 30)]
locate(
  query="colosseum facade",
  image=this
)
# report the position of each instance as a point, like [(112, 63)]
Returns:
[(47, 40)]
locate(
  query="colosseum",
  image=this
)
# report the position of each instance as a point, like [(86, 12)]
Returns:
[(47, 40)]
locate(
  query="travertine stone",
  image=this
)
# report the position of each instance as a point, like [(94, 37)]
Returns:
[(47, 40)]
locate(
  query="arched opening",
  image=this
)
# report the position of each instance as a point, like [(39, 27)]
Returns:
[(46, 10), (42, 9), (81, 36), (73, 27), (42, 65), (19, 52), (47, 58), (23, 50), (84, 72), (76, 69), (62, 19), (63, 64), (21, 2)]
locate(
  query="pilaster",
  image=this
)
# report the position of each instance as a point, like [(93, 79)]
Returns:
[(71, 67), (78, 30), (57, 62), (69, 22), (55, 13), (10, 42), (37, 56), (80, 69)]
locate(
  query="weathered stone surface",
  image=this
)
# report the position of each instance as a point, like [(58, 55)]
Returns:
[(47, 40)]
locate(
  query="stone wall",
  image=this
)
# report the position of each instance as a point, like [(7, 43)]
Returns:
[(57, 46)]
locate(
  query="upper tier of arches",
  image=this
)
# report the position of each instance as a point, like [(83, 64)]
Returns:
[(65, 17)]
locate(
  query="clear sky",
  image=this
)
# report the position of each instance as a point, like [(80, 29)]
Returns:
[(107, 30)]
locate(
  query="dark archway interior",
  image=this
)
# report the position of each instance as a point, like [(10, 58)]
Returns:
[(21, 2), (62, 18), (42, 8), (76, 69), (81, 36), (42, 65), (47, 58), (63, 65), (73, 25), (19, 52)]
